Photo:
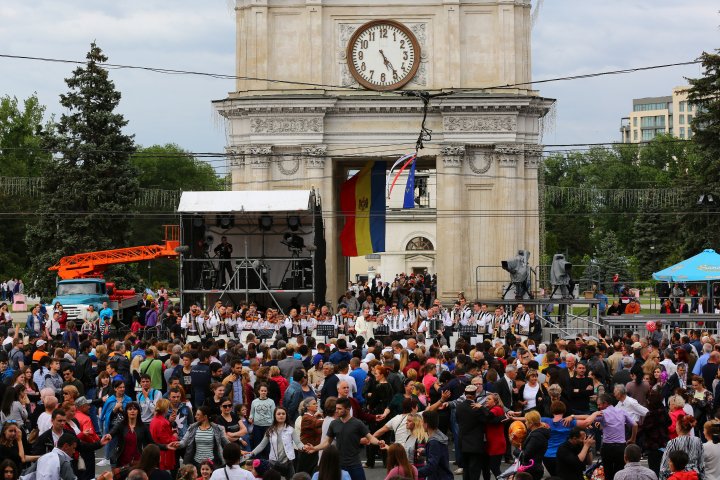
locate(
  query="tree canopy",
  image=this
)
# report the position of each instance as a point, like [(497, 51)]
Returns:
[(90, 185)]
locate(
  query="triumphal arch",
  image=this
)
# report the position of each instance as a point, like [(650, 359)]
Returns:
[(319, 94)]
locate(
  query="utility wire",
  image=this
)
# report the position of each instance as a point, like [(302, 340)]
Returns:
[(222, 156), (171, 71), (416, 212)]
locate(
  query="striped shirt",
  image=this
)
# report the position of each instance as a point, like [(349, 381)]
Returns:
[(693, 447), (203, 445)]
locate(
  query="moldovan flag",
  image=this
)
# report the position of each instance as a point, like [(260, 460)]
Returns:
[(362, 202)]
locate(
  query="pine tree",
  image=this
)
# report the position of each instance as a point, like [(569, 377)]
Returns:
[(91, 186), (611, 260), (703, 228)]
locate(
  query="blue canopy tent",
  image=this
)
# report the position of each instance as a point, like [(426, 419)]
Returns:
[(703, 267)]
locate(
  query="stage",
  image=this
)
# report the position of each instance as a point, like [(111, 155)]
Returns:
[(266, 247)]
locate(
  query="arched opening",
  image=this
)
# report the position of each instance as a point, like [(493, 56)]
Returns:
[(419, 243)]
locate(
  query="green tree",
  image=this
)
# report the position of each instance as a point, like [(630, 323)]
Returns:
[(21, 134), (90, 188), (169, 167), (577, 222), (702, 226), (610, 259), (21, 155), (166, 167)]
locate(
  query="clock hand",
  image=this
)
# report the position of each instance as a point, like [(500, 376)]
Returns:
[(387, 62)]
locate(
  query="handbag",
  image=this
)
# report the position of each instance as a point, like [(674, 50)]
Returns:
[(391, 435), (121, 473)]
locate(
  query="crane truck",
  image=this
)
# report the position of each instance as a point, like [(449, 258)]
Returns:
[(81, 277)]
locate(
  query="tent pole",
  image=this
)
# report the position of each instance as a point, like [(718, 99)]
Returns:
[(711, 303)]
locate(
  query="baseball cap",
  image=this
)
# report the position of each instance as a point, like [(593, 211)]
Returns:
[(470, 389), (40, 343)]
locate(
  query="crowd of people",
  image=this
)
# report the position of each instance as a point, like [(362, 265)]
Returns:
[(11, 287), (428, 392), (672, 298)]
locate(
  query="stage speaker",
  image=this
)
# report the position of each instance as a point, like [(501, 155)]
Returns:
[(253, 280)]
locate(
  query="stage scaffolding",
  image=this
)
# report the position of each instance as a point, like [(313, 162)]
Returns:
[(278, 247)]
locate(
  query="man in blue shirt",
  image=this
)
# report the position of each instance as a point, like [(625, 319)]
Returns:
[(703, 360), (603, 299), (359, 375), (341, 354), (106, 316)]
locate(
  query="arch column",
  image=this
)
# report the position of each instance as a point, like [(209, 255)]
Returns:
[(258, 159), (321, 177), (534, 231), (451, 222)]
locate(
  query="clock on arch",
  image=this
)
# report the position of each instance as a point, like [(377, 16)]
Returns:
[(383, 55)]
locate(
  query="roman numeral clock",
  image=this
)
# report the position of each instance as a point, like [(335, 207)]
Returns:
[(383, 55)]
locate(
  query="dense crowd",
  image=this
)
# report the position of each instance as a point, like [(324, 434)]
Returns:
[(240, 392)]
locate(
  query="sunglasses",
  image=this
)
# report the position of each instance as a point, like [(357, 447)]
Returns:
[(227, 406)]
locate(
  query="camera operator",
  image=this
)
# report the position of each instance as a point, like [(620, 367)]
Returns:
[(224, 252)]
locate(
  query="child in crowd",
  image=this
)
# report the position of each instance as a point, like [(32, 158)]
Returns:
[(678, 462)]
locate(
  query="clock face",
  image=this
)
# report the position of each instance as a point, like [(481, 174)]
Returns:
[(383, 55)]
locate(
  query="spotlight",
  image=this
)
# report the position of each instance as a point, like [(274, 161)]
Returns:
[(198, 221), (225, 221), (293, 242), (293, 223), (265, 222)]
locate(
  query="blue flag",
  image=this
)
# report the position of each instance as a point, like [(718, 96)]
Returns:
[(409, 201)]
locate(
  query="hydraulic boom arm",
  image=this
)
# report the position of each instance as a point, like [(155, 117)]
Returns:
[(93, 264)]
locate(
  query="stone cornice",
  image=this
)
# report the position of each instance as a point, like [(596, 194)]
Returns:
[(375, 104)]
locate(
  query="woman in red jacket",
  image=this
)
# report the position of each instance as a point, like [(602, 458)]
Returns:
[(162, 433), (281, 381), (495, 435)]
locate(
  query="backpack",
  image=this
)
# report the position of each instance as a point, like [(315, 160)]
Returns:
[(82, 368)]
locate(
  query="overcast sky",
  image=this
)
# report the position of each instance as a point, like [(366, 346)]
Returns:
[(570, 37)]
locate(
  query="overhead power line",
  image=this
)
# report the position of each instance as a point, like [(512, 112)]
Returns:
[(222, 76), (360, 149)]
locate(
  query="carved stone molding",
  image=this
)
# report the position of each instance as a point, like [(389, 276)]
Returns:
[(256, 156), (534, 150), (286, 125), (485, 123), (452, 155), (314, 150), (235, 156), (480, 161), (288, 165), (509, 148), (346, 78), (315, 163), (314, 156), (346, 32), (257, 149), (420, 77), (508, 154), (259, 162), (533, 155), (419, 30)]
